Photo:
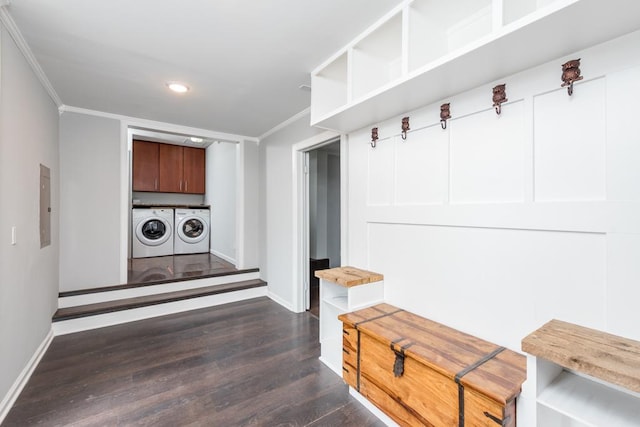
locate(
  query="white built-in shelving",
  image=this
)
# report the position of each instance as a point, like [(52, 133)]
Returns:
[(584, 377), (342, 290), (423, 51)]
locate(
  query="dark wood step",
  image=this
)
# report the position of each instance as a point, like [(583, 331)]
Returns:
[(144, 301), (156, 282)]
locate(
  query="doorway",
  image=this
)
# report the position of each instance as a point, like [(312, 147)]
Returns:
[(322, 166)]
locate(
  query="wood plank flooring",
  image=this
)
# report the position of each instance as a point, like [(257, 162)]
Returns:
[(250, 363)]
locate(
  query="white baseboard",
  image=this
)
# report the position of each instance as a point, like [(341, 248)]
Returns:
[(372, 408), (280, 301), (75, 300), (108, 319), (15, 390), (224, 257)]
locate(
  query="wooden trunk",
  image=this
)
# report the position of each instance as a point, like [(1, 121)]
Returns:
[(422, 373)]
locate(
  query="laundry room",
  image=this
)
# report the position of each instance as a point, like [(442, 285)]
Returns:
[(183, 203)]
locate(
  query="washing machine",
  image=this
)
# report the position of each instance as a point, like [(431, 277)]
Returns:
[(192, 231), (152, 232)]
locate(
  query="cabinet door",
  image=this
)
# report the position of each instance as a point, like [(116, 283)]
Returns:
[(194, 170), (145, 166), (170, 169)]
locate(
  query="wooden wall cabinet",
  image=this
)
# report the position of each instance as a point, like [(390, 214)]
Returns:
[(168, 168), (145, 166)]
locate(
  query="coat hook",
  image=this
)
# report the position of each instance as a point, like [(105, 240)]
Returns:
[(405, 127), (374, 137), (499, 96), (444, 115), (570, 74)]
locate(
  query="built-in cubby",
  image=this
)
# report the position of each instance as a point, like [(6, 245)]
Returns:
[(512, 10), (343, 289), (377, 58), (330, 86), (424, 51), (437, 28), (584, 377)]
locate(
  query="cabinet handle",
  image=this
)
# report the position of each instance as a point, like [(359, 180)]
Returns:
[(155, 184), (186, 185), (180, 185)]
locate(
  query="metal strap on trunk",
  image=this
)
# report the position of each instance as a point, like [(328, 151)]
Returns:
[(355, 325), (464, 372)]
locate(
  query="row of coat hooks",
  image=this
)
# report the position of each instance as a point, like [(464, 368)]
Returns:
[(570, 74)]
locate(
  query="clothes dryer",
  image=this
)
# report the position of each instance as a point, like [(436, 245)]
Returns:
[(191, 231), (152, 232)]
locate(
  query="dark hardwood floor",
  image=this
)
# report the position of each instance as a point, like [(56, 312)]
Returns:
[(176, 267), (250, 363)]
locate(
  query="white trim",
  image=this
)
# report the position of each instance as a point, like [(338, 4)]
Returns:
[(15, 390), (163, 288), (282, 302), (297, 238), (159, 126), (372, 408), (223, 256), (109, 319), (16, 35), (240, 211), (284, 124), (125, 201)]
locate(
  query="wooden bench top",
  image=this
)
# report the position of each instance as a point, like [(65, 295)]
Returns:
[(608, 357), (349, 276)]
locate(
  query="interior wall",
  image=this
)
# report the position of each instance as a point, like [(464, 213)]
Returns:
[(90, 151), (221, 195), (250, 236), (28, 273), (501, 223), (276, 204)]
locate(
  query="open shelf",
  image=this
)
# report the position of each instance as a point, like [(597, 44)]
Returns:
[(377, 59), (512, 10), (584, 377), (330, 86), (589, 402), (449, 49), (437, 28)]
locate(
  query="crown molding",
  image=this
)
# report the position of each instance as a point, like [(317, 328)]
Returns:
[(158, 126), (16, 35), (284, 124)]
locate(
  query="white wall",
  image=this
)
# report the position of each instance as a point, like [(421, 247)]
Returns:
[(90, 173), (221, 195), (249, 236), (28, 274), (499, 224), (276, 204)]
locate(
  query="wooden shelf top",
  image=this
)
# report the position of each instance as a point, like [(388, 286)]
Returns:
[(607, 357), (349, 276)]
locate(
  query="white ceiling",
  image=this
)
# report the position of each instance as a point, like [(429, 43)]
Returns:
[(243, 59)]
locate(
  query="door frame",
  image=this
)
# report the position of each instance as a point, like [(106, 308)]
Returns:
[(300, 198)]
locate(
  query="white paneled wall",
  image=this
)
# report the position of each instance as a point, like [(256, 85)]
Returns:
[(570, 143), (487, 156), (500, 223)]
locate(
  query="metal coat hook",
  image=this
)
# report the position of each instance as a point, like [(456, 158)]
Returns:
[(444, 115), (571, 74), (374, 137), (405, 127), (499, 96)]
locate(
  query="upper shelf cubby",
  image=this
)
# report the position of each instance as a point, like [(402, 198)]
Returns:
[(439, 27), (377, 58), (424, 51)]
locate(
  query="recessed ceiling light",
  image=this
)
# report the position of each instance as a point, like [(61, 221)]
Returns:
[(178, 87), (196, 139)]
